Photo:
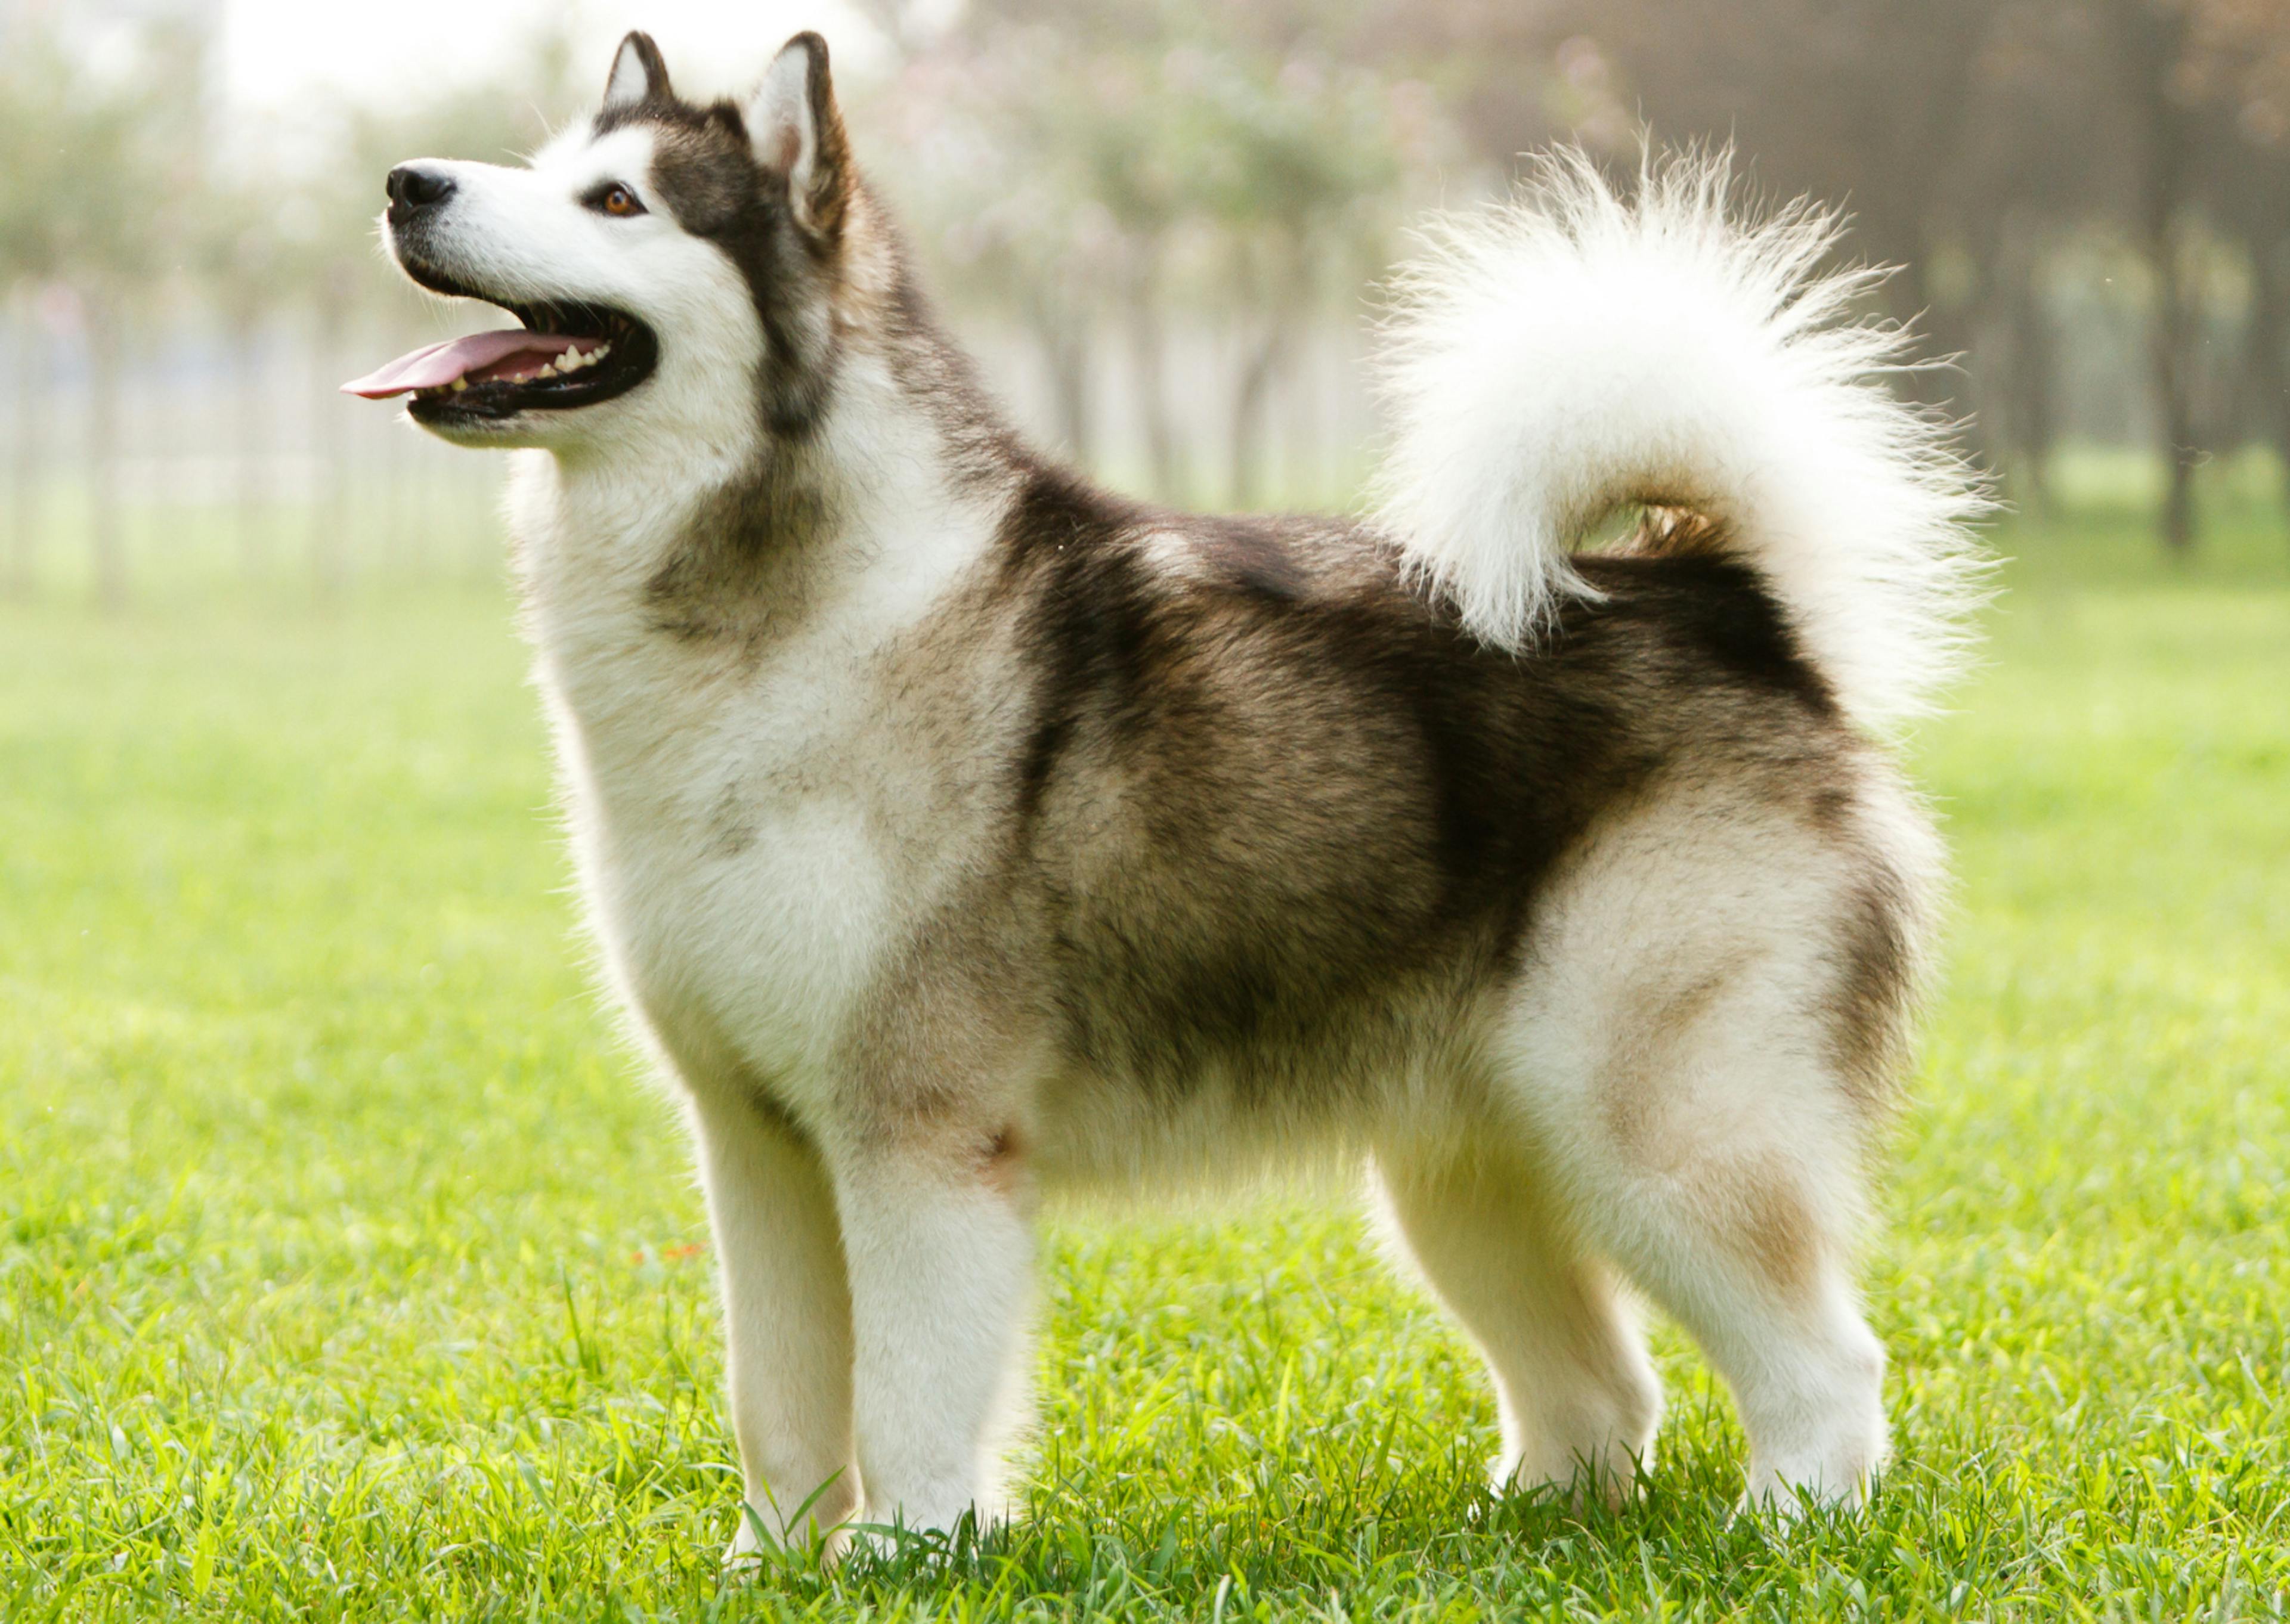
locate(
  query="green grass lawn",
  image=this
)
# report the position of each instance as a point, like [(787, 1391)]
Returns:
[(347, 1270)]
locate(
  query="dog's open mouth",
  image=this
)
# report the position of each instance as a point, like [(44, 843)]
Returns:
[(563, 355)]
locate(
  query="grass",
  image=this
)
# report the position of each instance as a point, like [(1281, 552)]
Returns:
[(346, 1273)]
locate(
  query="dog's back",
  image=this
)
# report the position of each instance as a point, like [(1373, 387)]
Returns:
[(1279, 829)]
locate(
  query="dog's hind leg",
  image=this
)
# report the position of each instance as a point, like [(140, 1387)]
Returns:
[(1736, 1246), (787, 1313), (1698, 1046), (1714, 1156), (1578, 1399)]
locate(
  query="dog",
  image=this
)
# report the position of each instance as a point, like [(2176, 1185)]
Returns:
[(956, 833)]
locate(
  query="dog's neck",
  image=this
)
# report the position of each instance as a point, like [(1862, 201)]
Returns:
[(670, 557)]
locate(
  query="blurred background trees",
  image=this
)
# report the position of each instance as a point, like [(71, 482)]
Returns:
[(95, 166), (1161, 221)]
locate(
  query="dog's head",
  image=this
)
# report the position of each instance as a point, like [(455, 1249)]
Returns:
[(673, 267)]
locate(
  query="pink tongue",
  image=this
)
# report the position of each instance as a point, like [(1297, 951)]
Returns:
[(441, 364)]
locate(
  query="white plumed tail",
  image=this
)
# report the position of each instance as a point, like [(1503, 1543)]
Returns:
[(1569, 354)]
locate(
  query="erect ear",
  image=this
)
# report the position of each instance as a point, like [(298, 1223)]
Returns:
[(638, 74), (798, 132)]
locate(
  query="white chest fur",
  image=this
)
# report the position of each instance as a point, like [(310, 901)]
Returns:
[(752, 834)]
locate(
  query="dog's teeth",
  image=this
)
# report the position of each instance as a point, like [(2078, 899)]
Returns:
[(459, 384), (600, 353)]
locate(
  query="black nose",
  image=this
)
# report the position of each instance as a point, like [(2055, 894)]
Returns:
[(413, 189)]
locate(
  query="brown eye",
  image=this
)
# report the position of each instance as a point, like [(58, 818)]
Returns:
[(611, 198)]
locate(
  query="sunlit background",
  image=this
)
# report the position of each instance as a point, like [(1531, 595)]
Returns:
[(1161, 225)]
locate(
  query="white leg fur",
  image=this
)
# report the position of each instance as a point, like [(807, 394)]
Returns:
[(1688, 1105), (786, 1313), (1577, 1397), (1806, 1374), (940, 1272), (1737, 1239)]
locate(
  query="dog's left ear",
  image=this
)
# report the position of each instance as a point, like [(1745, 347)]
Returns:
[(798, 133), (638, 74)]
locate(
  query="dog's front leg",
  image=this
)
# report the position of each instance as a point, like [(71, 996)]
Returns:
[(787, 1320), (940, 1249)]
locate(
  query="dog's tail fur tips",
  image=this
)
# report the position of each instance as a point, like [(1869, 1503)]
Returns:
[(1570, 353)]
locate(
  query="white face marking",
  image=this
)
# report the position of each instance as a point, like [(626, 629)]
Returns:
[(525, 234)]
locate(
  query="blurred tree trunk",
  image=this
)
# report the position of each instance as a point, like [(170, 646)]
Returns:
[(2151, 47), (29, 469), (2032, 381), (2170, 370), (1250, 412), (1947, 325), (2267, 375), (329, 545), (1148, 342), (1065, 347), (107, 533), (2252, 201), (246, 439)]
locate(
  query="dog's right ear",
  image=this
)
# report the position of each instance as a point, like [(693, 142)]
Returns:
[(798, 132), (639, 74)]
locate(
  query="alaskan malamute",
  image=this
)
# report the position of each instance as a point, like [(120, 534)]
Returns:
[(956, 832)]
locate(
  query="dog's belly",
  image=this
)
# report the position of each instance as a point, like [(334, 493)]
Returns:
[(1391, 1060), (1100, 1136)]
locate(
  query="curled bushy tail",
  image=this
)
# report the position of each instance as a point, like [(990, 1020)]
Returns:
[(1569, 353)]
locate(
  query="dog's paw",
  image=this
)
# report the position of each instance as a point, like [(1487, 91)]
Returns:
[(1611, 1479), (1778, 1503), (755, 1547)]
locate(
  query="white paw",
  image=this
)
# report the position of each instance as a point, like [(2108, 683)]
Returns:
[(1613, 1474), (755, 1544), (1783, 1497)]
